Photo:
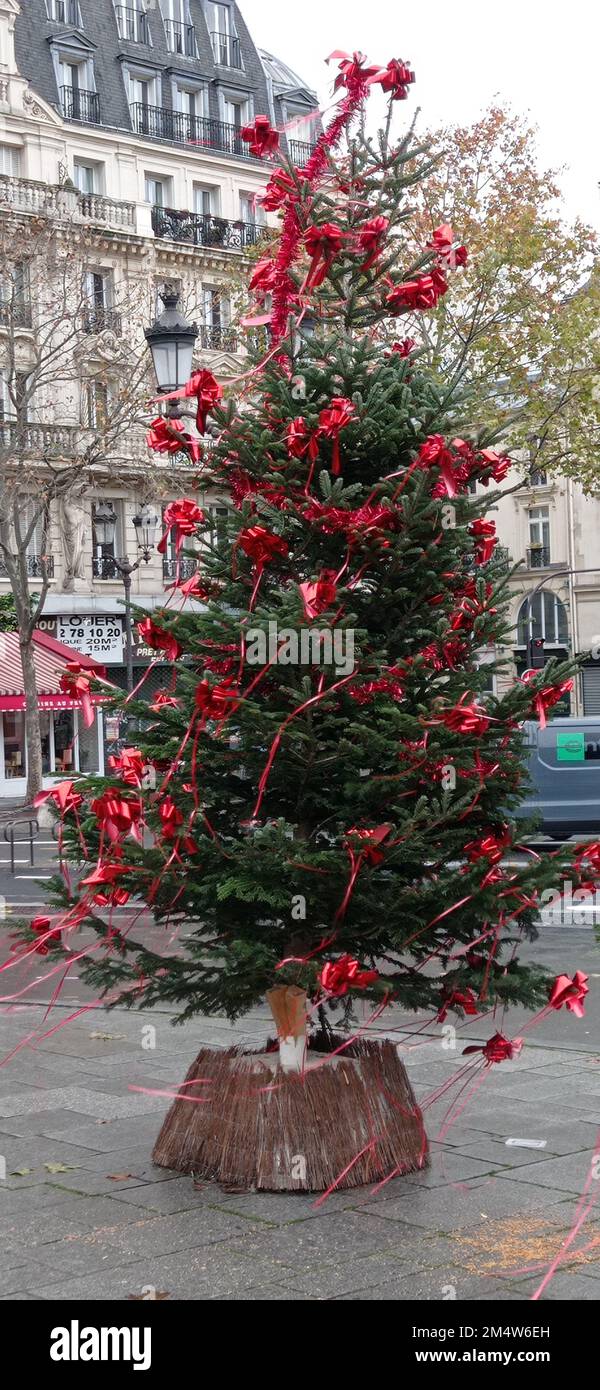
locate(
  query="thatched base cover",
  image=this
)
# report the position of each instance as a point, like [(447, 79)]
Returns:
[(348, 1120)]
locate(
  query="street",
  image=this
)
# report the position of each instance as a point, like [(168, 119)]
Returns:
[(85, 1214)]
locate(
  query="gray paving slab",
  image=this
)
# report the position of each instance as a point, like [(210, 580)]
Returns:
[(446, 1209), (568, 1172)]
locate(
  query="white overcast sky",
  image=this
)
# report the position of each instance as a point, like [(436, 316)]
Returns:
[(541, 56)]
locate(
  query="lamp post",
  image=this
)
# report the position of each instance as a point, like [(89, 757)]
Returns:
[(171, 341), (145, 524)]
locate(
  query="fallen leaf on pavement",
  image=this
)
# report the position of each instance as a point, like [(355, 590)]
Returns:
[(59, 1168), (120, 1177)]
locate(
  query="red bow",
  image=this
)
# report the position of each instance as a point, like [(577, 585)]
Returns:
[(570, 992), (318, 596), (205, 387), (492, 847), (182, 517), (466, 718), (262, 546), (261, 136), (485, 534), (159, 640), (370, 840), (499, 464), (434, 453), (169, 436), (62, 795), (422, 293), (352, 74), (546, 698), (338, 976), (331, 421), (323, 245), (117, 816), (280, 189), (77, 686), (130, 764), (162, 701), (171, 818), (453, 999), (300, 441), (42, 928), (371, 238), (402, 349), (264, 278), (396, 78), (215, 701), (498, 1049)]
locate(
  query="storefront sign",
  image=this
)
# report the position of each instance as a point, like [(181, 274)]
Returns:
[(93, 634)]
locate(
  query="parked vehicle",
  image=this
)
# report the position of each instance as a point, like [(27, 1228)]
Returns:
[(564, 767)]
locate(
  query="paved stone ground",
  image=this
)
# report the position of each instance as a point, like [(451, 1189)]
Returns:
[(84, 1215)]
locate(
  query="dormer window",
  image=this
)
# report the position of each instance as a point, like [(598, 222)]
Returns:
[(224, 40), (132, 22), (73, 58), (64, 12), (179, 30)]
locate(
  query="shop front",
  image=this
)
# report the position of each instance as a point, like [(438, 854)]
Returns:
[(68, 745)]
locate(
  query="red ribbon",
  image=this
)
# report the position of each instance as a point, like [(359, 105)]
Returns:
[(215, 701), (353, 74), (129, 764), (396, 78), (261, 137), (62, 795), (465, 718), (422, 293), (182, 517), (454, 999), (338, 976), (434, 453), (498, 1049), (547, 697), (205, 388), (331, 421), (571, 992), (280, 189), (117, 816), (486, 538), (323, 244), (77, 686), (159, 640), (370, 240), (318, 595), (169, 436), (300, 441)]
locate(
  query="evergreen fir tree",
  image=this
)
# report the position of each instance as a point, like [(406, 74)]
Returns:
[(345, 823)]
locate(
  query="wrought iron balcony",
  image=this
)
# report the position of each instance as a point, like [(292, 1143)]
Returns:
[(187, 567), (35, 567), (100, 320), (181, 38), (182, 129), (132, 24), (226, 51), (217, 338), (538, 557), (78, 105), (202, 229), (15, 313), (105, 567), (300, 152)]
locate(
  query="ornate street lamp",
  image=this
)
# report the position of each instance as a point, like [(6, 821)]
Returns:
[(145, 524), (171, 341)]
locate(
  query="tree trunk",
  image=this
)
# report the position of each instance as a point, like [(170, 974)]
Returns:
[(288, 1005), (33, 736)]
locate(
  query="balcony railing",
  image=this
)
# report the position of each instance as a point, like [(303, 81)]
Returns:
[(226, 51), (300, 152), (101, 320), (42, 441), (35, 567), (104, 567), (181, 38), (538, 557), (217, 338), (187, 567), (182, 129), (132, 24), (15, 313), (30, 195), (202, 229), (78, 105)]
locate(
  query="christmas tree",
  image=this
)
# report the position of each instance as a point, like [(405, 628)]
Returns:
[(319, 807)]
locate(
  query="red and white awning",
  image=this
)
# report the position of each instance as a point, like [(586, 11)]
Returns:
[(51, 659)]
